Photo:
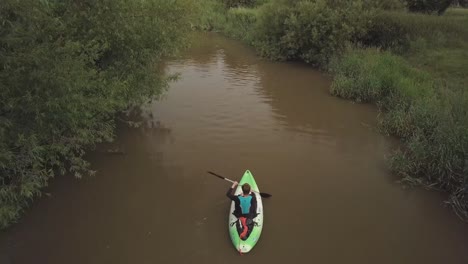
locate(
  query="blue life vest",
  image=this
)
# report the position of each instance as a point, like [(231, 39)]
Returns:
[(245, 203)]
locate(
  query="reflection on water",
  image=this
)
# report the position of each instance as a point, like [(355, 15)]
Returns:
[(333, 200)]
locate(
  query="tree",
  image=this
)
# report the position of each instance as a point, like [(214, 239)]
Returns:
[(239, 3), (429, 6), (66, 68), (463, 3)]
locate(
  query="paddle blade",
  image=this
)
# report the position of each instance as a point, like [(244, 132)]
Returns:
[(214, 174), (265, 195)]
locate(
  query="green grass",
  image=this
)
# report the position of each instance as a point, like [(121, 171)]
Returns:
[(449, 64), (211, 15), (438, 45), (239, 23), (451, 12), (430, 117), (420, 84)]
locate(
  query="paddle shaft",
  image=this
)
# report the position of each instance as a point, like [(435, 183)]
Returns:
[(264, 195), (221, 177)]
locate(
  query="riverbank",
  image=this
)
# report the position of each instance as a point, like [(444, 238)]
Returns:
[(62, 92), (412, 66), (228, 112), (67, 70)]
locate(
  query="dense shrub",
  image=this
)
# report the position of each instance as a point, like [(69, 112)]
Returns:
[(397, 30), (211, 15), (240, 3), (311, 31), (240, 23), (385, 4), (429, 6), (66, 68)]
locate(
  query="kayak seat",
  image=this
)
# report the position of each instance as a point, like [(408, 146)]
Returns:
[(240, 229)]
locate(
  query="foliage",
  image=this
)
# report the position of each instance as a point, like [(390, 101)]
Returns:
[(311, 31), (396, 30), (261, 2), (239, 23), (437, 44), (463, 3), (240, 3), (429, 117), (67, 67), (386, 4), (211, 15), (429, 6), (423, 97)]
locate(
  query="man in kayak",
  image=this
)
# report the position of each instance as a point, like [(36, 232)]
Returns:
[(245, 206)]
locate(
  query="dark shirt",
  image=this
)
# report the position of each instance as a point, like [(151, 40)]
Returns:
[(238, 211)]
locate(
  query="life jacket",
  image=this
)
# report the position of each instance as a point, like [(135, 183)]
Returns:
[(245, 203)]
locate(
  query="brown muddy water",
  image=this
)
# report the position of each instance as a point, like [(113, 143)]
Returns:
[(333, 200)]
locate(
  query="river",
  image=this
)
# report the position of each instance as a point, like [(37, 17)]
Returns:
[(322, 159)]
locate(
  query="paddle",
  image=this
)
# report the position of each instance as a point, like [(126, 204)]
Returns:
[(264, 195)]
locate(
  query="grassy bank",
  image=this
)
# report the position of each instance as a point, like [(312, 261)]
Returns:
[(428, 115), (69, 66), (412, 66), (420, 84)]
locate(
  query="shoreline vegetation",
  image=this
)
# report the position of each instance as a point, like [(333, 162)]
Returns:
[(70, 67), (408, 59)]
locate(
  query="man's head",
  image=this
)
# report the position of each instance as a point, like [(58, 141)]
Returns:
[(246, 188)]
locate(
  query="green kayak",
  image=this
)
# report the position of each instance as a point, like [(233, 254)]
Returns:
[(244, 246)]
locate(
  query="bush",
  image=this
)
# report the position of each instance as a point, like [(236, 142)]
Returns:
[(240, 23), (67, 68), (211, 15), (429, 6), (308, 31), (397, 29), (431, 119), (386, 4), (240, 3), (261, 2)]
